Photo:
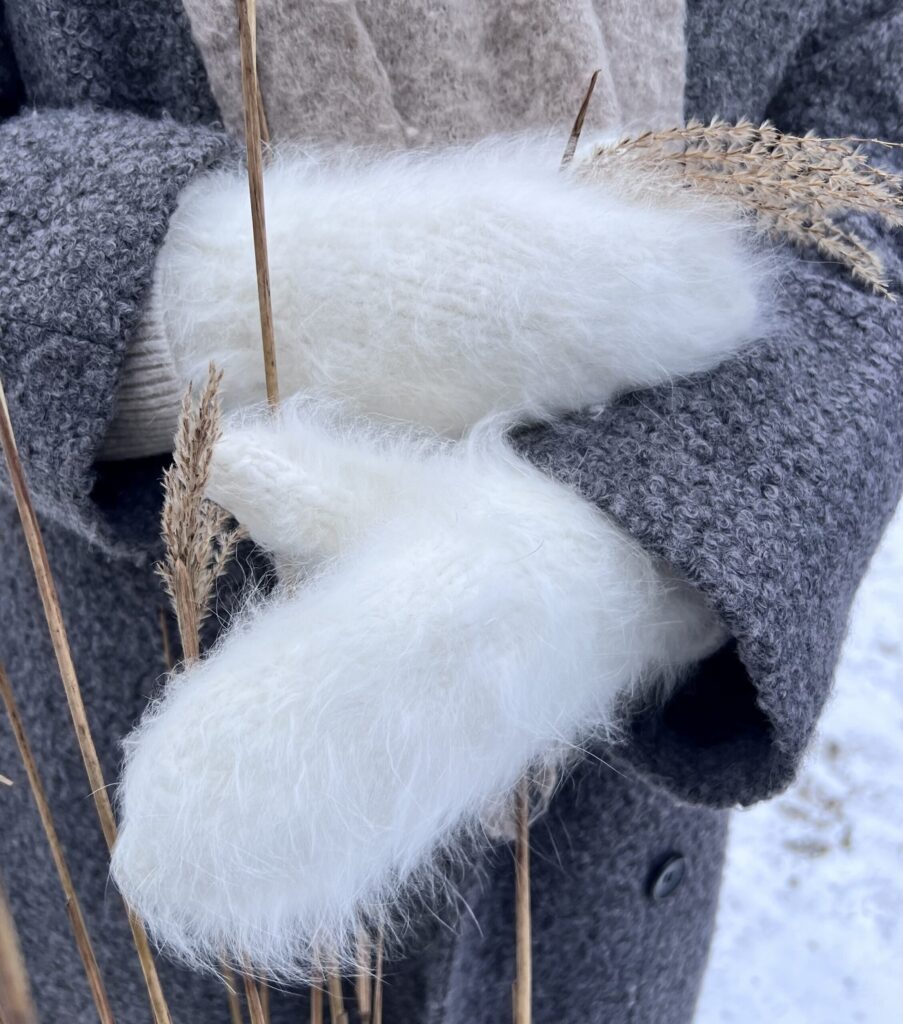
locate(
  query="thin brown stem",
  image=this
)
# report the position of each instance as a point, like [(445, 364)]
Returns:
[(337, 1014), (252, 994), (73, 907), (232, 998), (574, 137), (378, 982), (256, 133), (316, 1003), (363, 986), (523, 985), (235, 1016), (250, 88), (54, 616), (16, 1005)]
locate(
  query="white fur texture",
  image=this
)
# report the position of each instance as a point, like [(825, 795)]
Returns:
[(467, 617), (448, 616), (439, 288)]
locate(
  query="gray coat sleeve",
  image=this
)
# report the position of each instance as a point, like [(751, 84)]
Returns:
[(767, 483), (85, 197)]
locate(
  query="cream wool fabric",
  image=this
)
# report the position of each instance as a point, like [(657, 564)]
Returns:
[(467, 617), (415, 72)]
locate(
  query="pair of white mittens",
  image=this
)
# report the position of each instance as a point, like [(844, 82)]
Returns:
[(448, 616)]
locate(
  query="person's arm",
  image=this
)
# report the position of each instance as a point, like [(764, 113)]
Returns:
[(767, 483), (85, 197)]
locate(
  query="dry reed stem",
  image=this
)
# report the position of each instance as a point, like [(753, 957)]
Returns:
[(523, 985), (253, 105), (199, 542), (574, 137), (256, 132), (235, 1016), (73, 907), (337, 1014), (16, 1006), (5, 780), (794, 187), (232, 997), (363, 986), (54, 616), (316, 1004), (252, 995), (378, 985)]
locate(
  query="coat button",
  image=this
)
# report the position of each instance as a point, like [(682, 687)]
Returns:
[(667, 876)]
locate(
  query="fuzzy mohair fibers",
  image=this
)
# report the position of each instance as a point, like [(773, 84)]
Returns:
[(448, 615)]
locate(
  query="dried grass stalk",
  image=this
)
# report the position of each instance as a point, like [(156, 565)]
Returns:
[(54, 616), (200, 541), (795, 187), (252, 994), (199, 537), (316, 1004), (232, 997), (235, 1016), (378, 983), (337, 1014), (256, 133), (363, 986), (523, 984), (252, 102), (73, 907), (16, 1005), (577, 129)]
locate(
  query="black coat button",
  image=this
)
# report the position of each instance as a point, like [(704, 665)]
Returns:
[(667, 876)]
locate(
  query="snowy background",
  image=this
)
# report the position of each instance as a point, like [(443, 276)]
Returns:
[(810, 929)]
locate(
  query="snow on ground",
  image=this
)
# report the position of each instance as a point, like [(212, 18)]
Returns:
[(810, 928)]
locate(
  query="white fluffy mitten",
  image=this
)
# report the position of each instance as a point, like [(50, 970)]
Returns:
[(448, 616), (438, 288), (467, 617)]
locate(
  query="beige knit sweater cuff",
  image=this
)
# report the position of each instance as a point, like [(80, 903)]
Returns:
[(150, 393)]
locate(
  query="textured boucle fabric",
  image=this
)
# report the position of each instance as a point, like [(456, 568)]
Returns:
[(85, 196), (627, 959), (123, 56), (768, 482), (773, 516)]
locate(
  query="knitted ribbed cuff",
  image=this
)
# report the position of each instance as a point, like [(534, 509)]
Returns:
[(149, 394)]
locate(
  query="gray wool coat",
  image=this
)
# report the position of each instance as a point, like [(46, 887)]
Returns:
[(766, 483)]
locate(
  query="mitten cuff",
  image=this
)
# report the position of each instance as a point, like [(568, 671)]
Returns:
[(147, 403)]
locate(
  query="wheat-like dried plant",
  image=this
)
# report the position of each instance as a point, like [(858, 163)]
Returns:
[(795, 187), (200, 540), (199, 536)]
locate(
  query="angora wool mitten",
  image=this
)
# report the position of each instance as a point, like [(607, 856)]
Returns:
[(448, 616), (466, 617), (436, 288)]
